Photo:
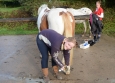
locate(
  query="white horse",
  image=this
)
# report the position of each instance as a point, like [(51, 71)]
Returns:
[(58, 19), (81, 11)]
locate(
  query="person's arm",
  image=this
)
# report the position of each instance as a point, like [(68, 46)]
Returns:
[(66, 57), (54, 54), (101, 15)]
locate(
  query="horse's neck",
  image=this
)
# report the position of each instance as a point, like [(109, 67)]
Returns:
[(74, 12)]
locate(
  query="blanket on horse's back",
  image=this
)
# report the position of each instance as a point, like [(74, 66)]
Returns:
[(96, 24)]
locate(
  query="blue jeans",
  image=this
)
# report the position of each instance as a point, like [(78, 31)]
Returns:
[(44, 49)]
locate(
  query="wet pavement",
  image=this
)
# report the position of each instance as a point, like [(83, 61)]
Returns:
[(20, 61)]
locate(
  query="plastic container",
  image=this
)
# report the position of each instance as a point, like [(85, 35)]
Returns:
[(85, 45)]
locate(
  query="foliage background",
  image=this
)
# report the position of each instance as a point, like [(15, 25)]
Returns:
[(28, 8)]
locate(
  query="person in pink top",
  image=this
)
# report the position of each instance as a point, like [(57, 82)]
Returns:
[(100, 13), (96, 23), (99, 10)]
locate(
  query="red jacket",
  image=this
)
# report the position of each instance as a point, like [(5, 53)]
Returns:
[(99, 12)]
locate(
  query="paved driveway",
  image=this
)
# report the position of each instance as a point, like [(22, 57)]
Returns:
[(20, 62)]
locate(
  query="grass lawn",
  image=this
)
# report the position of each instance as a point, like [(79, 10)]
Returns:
[(21, 32), (18, 28), (9, 9), (17, 31)]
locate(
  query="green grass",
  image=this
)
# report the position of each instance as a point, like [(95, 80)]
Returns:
[(4, 31), (18, 28), (19, 32), (9, 9)]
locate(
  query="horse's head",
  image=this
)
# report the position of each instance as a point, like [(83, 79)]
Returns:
[(86, 10), (42, 7)]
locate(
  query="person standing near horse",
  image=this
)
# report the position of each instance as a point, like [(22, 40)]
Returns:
[(100, 13), (50, 41), (99, 10)]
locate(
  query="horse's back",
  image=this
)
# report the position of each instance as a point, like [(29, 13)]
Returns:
[(60, 20), (81, 11), (55, 21)]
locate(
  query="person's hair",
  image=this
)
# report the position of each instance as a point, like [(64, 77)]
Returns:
[(73, 40), (99, 1)]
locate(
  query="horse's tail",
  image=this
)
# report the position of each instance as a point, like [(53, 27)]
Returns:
[(69, 30), (69, 24)]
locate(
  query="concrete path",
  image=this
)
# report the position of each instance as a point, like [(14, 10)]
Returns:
[(20, 62)]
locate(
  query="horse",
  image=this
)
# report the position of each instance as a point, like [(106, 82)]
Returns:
[(59, 20), (81, 11)]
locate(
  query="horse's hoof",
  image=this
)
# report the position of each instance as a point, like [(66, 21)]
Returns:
[(89, 36), (82, 35), (67, 70)]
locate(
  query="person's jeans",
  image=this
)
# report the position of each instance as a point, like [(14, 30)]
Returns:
[(44, 49), (97, 37)]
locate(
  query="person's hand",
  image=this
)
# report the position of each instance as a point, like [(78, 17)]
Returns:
[(65, 69), (62, 69), (98, 15)]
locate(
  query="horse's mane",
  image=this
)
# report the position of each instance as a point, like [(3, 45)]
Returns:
[(41, 7), (44, 5)]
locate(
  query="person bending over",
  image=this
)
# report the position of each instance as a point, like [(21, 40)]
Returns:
[(49, 41)]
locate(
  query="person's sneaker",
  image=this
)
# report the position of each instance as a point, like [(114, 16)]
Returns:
[(46, 80), (58, 76), (91, 42)]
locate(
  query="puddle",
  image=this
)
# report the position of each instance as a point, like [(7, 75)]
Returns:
[(112, 81)]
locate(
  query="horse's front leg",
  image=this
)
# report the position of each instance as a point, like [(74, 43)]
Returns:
[(85, 28), (89, 31)]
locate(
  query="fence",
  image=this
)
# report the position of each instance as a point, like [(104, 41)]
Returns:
[(81, 17)]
